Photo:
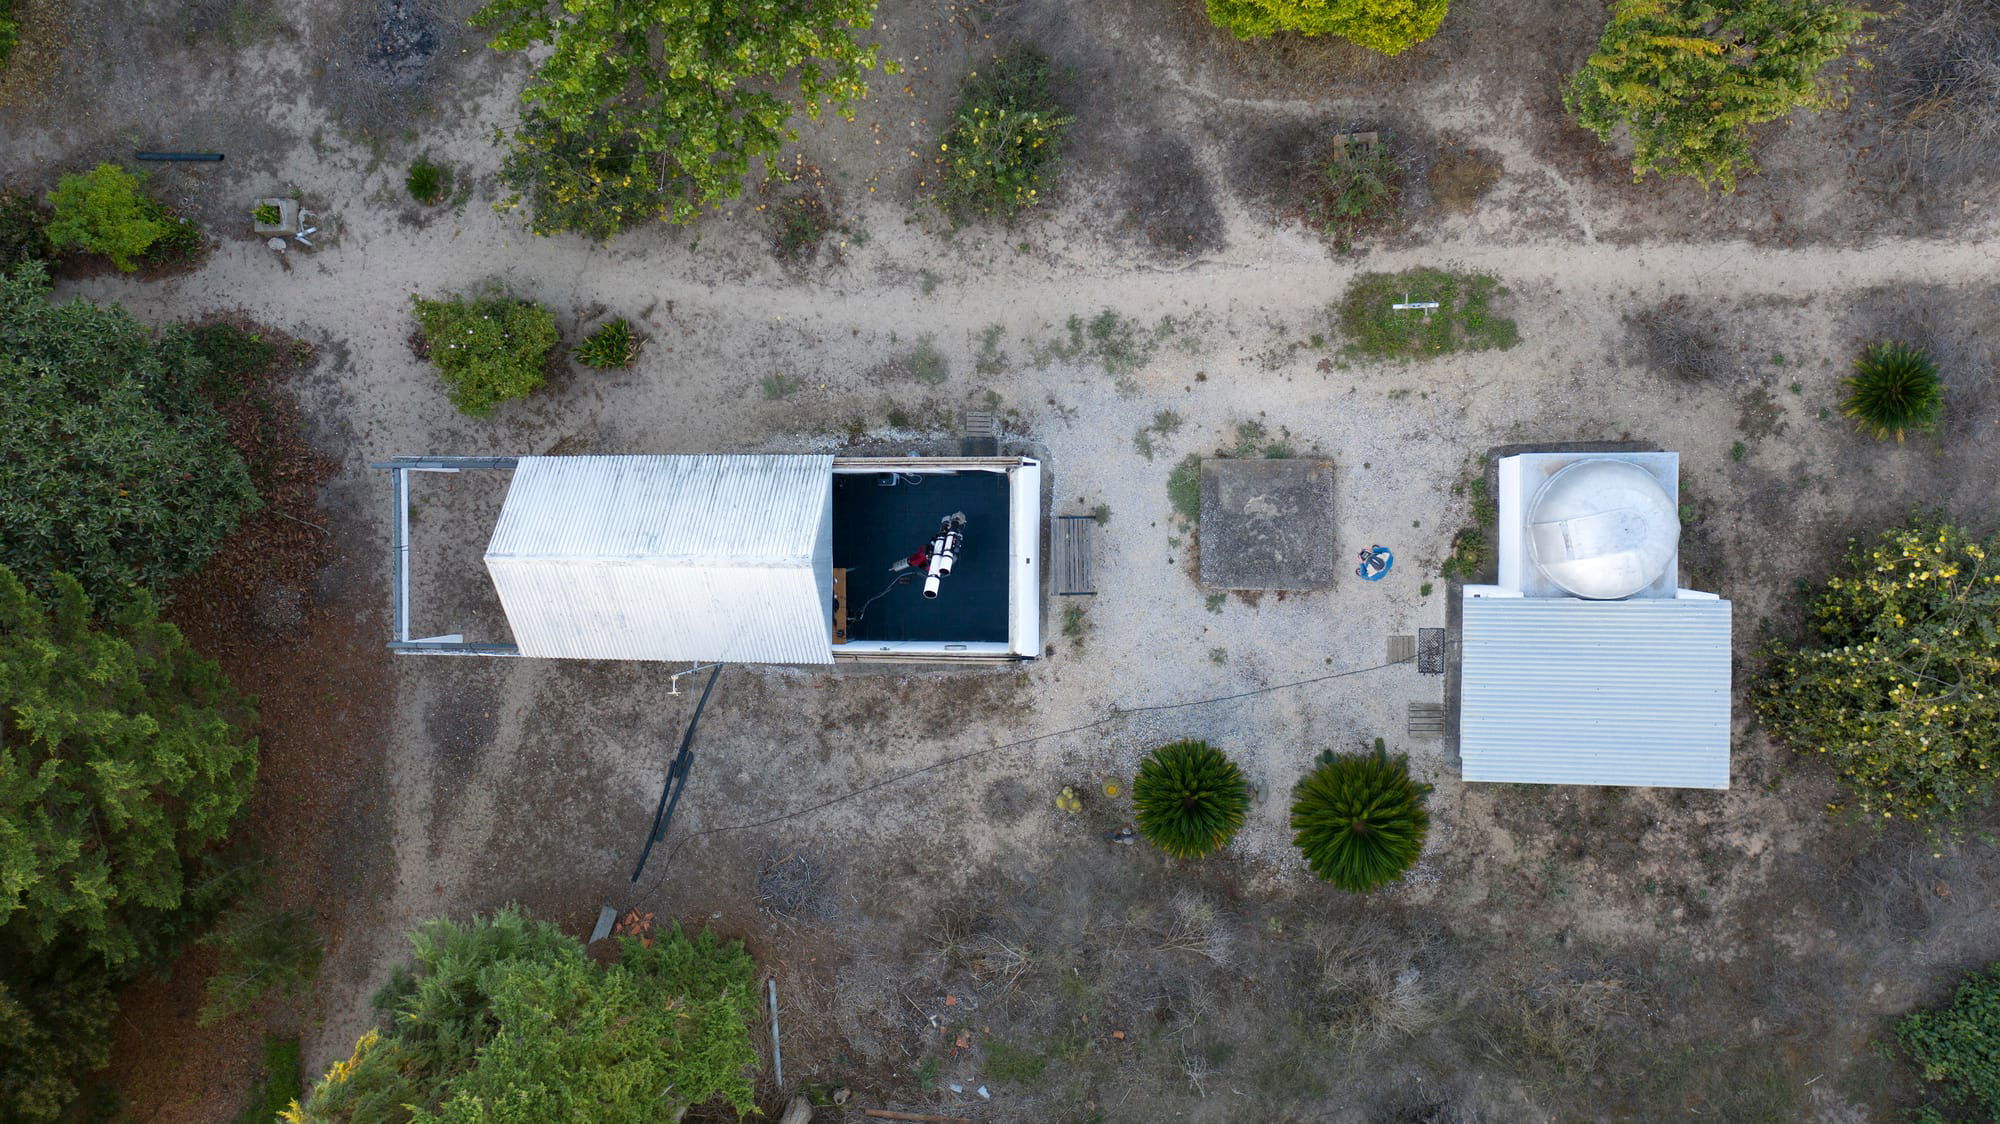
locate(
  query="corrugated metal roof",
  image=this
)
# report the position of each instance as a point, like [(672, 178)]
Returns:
[(1561, 691), (668, 558)]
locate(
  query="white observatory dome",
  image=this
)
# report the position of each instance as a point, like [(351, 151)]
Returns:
[(1603, 529)]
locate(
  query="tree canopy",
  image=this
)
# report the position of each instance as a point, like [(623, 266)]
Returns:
[(1902, 694), (655, 109), (506, 1020), (1688, 78), (113, 466)]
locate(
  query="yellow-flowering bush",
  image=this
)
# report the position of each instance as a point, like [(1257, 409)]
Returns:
[(1904, 698), (1388, 26), (1005, 139)]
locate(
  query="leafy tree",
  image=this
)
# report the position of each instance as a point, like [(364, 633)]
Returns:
[(1189, 799), (1894, 388), (124, 761), (263, 950), (654, 109), (488, 349), (1688, 78), (1902, 695), (1959, 1045), (113, 467), (55, 1023), (22, 237), (103, 211), (1388, 26), (1359, 819), (505, 1019)]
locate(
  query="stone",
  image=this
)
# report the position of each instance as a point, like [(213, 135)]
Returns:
[(1267, 524)]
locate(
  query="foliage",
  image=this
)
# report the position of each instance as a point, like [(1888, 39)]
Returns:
[(104, 212), (1388, 26), (1189, 799), (505, 1019), (1894, 388), (427, 183), (612, 345), (1184, 489), (1462, 321), (263, 950), (126, 476), (280, 1086), (1688, 78), (55, 1023), (1359, 819), (655, 109), (1355, 184), (489, 349), (21, 235), (1005, 138), (125, 761), (1960, 1044), (1903, 695), (10, 36), (268, 214)]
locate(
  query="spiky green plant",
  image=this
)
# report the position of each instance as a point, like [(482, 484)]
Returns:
[(1895, 387), (1359, 819), (1189, 798)]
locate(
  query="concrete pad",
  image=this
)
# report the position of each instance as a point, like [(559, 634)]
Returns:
[(1267, 524)]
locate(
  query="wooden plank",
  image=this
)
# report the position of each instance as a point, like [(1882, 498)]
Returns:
[(840, 605)]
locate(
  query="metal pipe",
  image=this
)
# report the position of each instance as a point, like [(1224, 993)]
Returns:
[(677, 774), (181, 157), (777, 1056)]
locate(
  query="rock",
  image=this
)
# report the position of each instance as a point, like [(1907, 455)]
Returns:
[(799, 1111)]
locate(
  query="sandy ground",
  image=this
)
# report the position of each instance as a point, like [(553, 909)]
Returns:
[(533, 781)]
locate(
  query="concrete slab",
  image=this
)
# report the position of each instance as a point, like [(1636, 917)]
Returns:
[(1267, 524)]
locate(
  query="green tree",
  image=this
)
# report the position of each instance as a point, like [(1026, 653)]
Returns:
[(1359, 819), (124, 761), (505, 1019), (1388, 26), (113, 466), (104, 212), (1902, 693), (1959, 1045), (488, 349), (655, 109), (55, 1023), (1688, 78), (1189, 799)]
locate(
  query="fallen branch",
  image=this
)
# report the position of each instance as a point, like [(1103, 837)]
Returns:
[(920, 1118)]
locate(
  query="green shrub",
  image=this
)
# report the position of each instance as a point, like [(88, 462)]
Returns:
[(1356, 184), (1959, 1045), (610, 346), (506, 1019), (1894, 388), (1902, 697), (280, 1085), (488, 349), (104, 212), (1359, 819), (1462, 321), (1005, 138), (1184, 489), (645, 112), (1388, 26), (10, 37), (1189, 799), (123, 474), (180, 242), (22, 238), (428, 183), (263, 950), (1687, 79), (266, 214)]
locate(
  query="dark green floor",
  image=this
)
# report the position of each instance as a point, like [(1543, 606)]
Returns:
[(873, 526)]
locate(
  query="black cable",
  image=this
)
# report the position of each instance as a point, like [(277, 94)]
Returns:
[(898, 778), (899, 579)]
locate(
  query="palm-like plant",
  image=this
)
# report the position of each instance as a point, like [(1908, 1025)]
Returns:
[(1189, 798), (1895, 387), (1359, 819)]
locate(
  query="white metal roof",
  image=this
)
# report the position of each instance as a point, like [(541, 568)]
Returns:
[(1562, 691), (668, 558)]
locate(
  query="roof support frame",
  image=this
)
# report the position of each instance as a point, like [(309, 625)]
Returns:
[(453, 644)]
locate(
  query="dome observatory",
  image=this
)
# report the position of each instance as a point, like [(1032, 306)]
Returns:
[(1603, 529)]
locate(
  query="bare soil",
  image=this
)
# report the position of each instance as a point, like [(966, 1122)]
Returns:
[(1559, 953)]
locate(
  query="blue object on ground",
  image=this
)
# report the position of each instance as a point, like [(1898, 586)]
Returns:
[(1375, 562)]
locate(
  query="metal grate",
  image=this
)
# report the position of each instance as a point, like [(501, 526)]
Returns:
[(1426, 720), (1430, 651), (1402, 648)]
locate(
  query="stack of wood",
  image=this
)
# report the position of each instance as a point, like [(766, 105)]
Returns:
[(635, 924)]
